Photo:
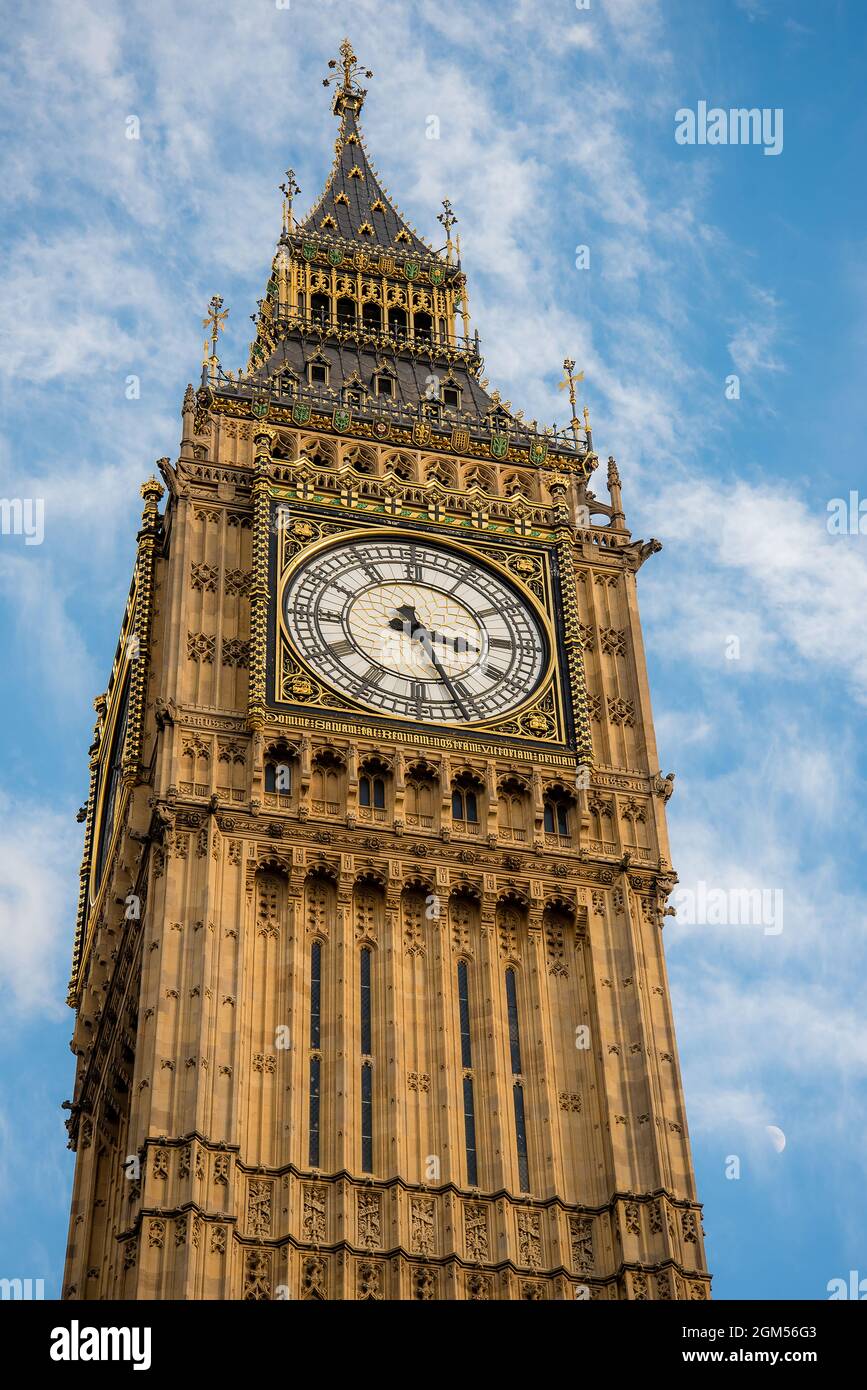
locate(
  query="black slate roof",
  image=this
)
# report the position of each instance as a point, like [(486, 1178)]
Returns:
[(349, 363), (367, 204)]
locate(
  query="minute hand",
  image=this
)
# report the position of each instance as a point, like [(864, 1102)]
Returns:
[(424, 638)]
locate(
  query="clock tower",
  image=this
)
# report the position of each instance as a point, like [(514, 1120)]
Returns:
[(369, 986)]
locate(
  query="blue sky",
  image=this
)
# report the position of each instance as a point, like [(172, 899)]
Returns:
[(556, 129)]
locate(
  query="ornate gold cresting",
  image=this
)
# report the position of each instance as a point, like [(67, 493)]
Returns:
[(139, 657), (89, 810), (261, 497), (558, 485)]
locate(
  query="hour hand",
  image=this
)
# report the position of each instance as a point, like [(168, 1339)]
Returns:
[(407, 621), (460, 644)]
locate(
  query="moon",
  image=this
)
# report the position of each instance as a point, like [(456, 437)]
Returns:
[(776, 1136)]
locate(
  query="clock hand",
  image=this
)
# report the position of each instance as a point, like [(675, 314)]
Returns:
[(443, 677), (409, 622), (412, 625), (460, 644)]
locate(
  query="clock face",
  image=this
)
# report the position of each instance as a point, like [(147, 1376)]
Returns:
[(416, 630)]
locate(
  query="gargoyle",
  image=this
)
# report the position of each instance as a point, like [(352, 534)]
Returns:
[(638, 551)]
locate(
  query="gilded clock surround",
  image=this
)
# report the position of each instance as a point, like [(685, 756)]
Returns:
[(195, 949), (538, 716)]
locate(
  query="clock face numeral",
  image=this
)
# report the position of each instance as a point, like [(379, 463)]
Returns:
[(411, 629)]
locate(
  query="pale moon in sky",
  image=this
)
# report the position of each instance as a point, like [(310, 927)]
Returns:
[(777, 1137)]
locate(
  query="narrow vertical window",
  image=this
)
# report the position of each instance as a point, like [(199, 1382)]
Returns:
[(315, 1065), (365, 1002), (315, 1060), (470, 1132), (467, 1064), (366, 1068), (315, 992), (366, 1117), (464, 1000), (518, 1082), (521, 1137)]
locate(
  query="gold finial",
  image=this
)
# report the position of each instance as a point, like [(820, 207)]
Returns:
[(448, 220), (152, 490), (570, 381), (217, 316), (288, 189), (350, 86)]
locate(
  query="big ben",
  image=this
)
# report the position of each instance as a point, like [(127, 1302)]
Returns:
[(368, 977)]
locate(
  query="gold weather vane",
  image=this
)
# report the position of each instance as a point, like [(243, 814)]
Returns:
[(351, 70), (570, 381), (288, 189), (214, 321), (448, 220)]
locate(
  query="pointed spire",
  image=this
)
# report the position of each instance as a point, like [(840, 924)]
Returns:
[(355, 204)]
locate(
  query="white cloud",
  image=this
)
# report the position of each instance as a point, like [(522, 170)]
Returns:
[(762, 565), (40, 852), (50, 653), (753, 343)]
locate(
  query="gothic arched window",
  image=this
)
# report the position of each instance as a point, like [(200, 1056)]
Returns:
[(315, 1059), (517, 1081), (371, 316), (467, 1065), (371, 792), (397, 321), (327, 785), (373, 781), (557, 817), (346, 313), (466, 800), (513, 809), (320, 308), (278, 771), (366, 1063)]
